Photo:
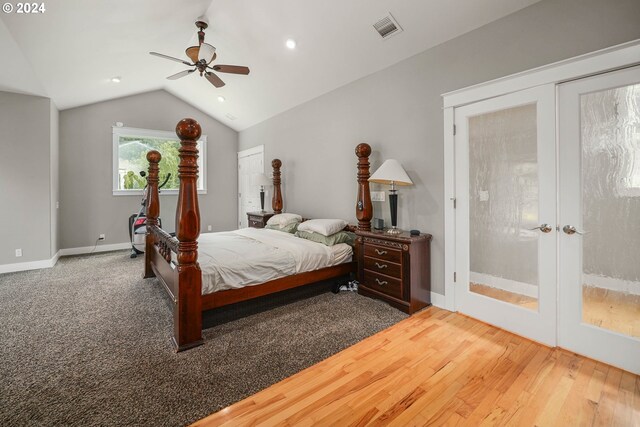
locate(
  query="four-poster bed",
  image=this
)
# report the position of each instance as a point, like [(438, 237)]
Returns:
[(174, 260)]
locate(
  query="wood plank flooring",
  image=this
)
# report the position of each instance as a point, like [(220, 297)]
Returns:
[(442, 368)]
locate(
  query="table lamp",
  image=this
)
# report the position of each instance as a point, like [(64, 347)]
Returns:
[(392, 173), (262, 180)]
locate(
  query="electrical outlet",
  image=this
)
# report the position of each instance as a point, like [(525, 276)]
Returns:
[(101, 237), (57, 205), (18, 252), (209, 228), (377, 196)]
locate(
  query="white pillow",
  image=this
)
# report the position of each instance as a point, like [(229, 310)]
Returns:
[(284, 219), (326, 227)]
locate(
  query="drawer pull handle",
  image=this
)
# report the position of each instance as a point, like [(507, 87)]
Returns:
[(381, 283), (380, 252), (381, 266)]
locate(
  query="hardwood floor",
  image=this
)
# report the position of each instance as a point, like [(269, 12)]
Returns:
[(442, 368)]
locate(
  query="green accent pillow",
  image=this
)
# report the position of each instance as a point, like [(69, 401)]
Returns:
[(291, 228), (333, 239)]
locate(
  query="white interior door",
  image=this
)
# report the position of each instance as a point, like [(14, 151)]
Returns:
[(505, 192), (599, 145), (250, 163)]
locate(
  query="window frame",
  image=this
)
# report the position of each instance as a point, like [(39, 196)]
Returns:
[(151, 133)]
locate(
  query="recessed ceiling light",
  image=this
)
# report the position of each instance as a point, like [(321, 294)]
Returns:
[(221, 98), (291, 44), (116, 79)]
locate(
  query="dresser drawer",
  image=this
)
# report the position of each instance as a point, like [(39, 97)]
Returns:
[(384, 267), (256, 223), (382, 283), (383, 253)]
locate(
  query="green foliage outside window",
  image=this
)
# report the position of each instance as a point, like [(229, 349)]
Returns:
[(132, 155)]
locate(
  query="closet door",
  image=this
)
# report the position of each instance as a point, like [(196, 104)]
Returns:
[(506, 212), (599, 145)]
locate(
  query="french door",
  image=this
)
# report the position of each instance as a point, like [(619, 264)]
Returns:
[(506, 212), (599, 201)]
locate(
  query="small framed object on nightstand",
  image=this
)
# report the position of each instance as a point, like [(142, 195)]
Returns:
[(395, 268), (258, 219)]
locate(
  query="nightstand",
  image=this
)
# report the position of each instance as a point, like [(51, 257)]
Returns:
[(395, 268), (258, 219)]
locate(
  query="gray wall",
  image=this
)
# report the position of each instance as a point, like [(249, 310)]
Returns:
[(54, 165), (87, 205), (25, 126), (398, 111)]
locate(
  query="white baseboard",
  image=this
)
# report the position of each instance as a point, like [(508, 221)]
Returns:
[(30, 265), (626, 286), (504, 284), (94, 249), (438, 300)]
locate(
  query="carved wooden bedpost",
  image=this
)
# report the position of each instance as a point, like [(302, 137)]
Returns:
[(364, 208), (276, 201), (153, 209), (188, 311)]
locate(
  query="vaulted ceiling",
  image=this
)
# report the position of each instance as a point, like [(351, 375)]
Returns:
[(72, 50)]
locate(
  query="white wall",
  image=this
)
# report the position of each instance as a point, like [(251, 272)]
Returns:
[(399, 111), (88, 207)]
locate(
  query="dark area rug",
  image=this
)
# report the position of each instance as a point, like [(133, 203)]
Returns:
[(88, 343)]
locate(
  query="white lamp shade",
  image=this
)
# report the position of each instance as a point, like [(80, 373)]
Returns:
[(206, 52), (261, 179), (391, 171)]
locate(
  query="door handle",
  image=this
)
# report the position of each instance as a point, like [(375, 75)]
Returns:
[(381, 266), (545, 228), (381, 252), (381, 283), (570, 229)]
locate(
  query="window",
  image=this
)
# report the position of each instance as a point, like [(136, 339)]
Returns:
[(130, 148)]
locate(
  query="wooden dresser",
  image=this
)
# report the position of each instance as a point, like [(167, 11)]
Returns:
[(258, 219), (395, 268)]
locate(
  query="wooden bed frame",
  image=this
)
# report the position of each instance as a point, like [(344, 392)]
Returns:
[(183, 280)]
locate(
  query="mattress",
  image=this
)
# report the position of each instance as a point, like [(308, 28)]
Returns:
[(251, 256)]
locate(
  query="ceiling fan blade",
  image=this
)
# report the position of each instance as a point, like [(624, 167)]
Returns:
[(215, 80), (171, 58), (233, 69), (176, 76)]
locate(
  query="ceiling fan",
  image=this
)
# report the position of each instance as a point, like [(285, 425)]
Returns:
[(202, 56)]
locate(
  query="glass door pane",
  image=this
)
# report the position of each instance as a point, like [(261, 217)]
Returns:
[(610, 142), (503, 205)]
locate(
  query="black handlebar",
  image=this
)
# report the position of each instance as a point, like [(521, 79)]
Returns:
[(143, 174), (165, 181)]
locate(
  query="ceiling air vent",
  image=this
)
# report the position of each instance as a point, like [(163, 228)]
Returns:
[(387, 27)]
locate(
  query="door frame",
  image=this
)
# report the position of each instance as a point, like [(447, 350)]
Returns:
[(616, 57), (258, 149)]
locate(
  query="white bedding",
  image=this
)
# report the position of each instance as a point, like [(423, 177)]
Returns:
[(251, 256)]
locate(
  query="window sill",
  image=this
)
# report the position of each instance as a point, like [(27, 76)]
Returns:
[(138, 193)]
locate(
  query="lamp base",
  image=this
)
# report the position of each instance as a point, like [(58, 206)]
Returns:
[(394, 230)]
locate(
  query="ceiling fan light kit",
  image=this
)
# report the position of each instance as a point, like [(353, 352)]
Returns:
[(202, 56)]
